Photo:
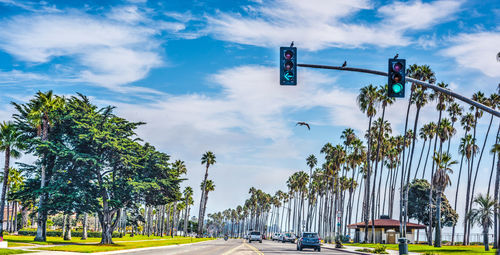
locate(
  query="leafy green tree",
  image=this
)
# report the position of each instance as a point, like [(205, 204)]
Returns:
[(418, 204)]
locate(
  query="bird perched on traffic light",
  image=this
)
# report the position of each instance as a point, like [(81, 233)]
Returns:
[(291, 45), (301, 123), (345, 64), (397, 55)]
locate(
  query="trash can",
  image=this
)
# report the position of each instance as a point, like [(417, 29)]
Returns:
[(403, 246)]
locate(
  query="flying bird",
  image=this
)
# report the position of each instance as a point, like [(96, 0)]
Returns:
[(301, 123), (291, 45), (345, 64), (397, 55)]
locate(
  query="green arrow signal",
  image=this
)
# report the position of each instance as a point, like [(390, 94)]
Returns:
[(288, 76)]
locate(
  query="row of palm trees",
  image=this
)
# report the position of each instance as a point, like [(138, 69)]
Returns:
[(359, 177)]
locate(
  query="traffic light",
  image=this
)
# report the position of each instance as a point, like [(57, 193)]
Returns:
[(396, 74), (288, 66)]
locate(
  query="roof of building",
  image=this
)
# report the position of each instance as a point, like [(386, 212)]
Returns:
[(387, 223)]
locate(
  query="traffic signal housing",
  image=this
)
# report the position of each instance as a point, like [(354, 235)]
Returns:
[(288, 66), (396, 74)]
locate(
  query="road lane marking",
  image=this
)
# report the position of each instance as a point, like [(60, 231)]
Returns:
[(254, 249)]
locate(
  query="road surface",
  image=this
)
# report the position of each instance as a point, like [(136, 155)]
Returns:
[(233, 246)]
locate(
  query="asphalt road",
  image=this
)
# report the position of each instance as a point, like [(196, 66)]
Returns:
[(232, 246)]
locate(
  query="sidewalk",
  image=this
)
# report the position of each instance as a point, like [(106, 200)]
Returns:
[(352, 249)]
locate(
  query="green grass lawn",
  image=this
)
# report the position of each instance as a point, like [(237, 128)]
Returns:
[(89, 248), (9, 251), (455, 250), (20, 240)]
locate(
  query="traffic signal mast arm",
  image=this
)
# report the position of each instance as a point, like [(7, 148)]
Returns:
[(408, 79)]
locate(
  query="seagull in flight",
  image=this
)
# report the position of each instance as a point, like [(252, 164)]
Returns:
[(301, 123)]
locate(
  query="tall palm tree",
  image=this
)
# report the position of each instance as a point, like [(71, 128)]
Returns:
[(468, 148), (39, 113), (496, 151), (483, 216), (208, 185), (11, 142), (311, 163), (441, 180), (367, 101), (207, 159), (188, 200), (454, 111)]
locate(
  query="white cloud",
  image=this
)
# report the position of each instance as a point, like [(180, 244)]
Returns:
[(322, 24), (477, 51), (418, 15), (111, 54)]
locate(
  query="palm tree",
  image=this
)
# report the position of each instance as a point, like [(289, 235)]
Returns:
[(208, 185), (207, 159), (180, 168), (441, 180), (496, 151), (455, 111), (311, 162), (11, 142), (468, 148), (483, 216), (39, 113), (367, 100), (188, 200)]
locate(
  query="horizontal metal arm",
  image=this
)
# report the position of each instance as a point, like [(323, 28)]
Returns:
[(422, 83)]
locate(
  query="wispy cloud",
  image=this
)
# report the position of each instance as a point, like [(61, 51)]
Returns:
[(476, 50), (323, 23)]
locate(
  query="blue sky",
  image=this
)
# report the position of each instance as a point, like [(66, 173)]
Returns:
[(204, 74)]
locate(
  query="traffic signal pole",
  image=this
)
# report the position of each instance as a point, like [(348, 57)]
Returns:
[(408, 79)]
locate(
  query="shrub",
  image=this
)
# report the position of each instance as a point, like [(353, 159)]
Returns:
[(379, 249), (364, 250)]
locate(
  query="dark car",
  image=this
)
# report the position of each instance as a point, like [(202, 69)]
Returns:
[(309, 240)]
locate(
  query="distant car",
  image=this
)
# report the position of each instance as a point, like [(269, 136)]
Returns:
[(288, 237), (255, 236), (276, 237), (309, 240)]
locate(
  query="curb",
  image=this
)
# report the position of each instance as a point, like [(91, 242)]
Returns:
[(348, 251), (150, 248)]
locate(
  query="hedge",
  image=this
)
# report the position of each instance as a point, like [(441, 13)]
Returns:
[(55, 233)]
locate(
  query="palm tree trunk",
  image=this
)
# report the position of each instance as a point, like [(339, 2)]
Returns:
[(438, 219), (426, 158), (467, 197), (420, 159), (202, 203), (431, 184), (456, 196), (495, 196), (409, 170), (4, 189), (367, 183)]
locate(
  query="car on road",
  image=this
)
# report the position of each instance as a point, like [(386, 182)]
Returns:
[(288, 237), (276, 237), (255, 236), (309, 240)]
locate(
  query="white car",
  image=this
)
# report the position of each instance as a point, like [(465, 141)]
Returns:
[(276, 237), (255, 236)]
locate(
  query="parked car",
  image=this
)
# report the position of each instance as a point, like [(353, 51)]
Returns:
[(276, 237), (288, 237), (255, 236), (309, 240)]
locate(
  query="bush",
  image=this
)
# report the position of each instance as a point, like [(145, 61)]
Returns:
[(364, 250), (32, 232), (379, 249)]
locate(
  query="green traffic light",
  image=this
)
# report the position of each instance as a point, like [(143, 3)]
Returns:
[(397, 87)]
